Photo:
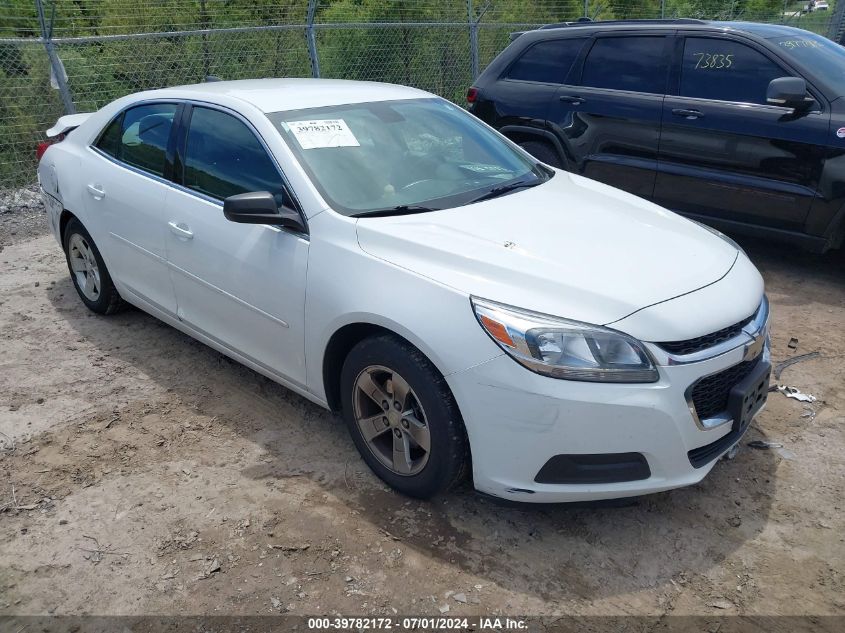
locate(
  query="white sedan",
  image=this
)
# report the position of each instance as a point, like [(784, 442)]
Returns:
[(384, 254)]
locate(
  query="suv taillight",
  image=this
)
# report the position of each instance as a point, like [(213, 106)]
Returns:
[(472, 94), (43, 145)]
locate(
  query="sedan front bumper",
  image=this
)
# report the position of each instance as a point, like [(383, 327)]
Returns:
[(517, 421)]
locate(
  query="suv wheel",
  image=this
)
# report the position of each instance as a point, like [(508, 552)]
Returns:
[(543, 152), (402, 417)]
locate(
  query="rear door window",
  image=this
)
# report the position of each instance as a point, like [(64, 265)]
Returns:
[(140, 135), (223, 157), (547, 62), (636, 64), (726, 70)]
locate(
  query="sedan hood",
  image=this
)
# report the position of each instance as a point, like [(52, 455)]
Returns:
[(571, 247)]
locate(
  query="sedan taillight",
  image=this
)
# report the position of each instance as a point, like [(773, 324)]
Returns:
[(43, 145)]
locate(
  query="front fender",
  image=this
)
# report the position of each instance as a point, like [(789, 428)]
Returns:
[(346, 286)]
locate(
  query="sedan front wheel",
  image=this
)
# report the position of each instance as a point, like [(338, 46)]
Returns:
[(402, 417), (391, 420)]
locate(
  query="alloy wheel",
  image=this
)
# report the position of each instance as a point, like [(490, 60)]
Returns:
[(391, 420), (84, 266)]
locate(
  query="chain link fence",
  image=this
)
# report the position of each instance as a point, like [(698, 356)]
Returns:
[(64, 56)]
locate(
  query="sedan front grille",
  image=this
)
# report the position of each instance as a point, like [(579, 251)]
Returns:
[(710, 394), (699, 343)]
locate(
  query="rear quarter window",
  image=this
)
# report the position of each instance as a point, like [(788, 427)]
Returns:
[(110, 138), (546, 62)]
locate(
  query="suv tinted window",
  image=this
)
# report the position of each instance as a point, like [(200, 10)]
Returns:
[(224, 158), (547, 62), (140, 135), (726, 70), (627, 63)]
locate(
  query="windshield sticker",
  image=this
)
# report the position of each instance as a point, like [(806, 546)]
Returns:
[(323, 133), (792, 44)]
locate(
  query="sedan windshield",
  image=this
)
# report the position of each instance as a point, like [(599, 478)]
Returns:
[(405, 156), (819, 54)]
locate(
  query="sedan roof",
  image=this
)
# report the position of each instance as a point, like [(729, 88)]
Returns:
[(275, 95)]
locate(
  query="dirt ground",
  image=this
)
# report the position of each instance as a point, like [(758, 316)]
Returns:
[(142, 472)]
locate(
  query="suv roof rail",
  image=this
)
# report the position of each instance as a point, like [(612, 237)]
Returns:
[(584, 21), (556, 25)]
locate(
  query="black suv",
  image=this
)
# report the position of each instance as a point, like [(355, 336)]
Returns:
[(739, 125)]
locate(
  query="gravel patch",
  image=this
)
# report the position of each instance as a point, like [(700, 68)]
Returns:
[(22, 215)]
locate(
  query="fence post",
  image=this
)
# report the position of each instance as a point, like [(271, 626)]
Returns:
[(473, 40), (662, 9), (586, 8), (55, 62), (837, 24), (312, 40), (205, 24)]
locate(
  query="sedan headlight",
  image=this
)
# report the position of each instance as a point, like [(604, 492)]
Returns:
[(565, 349)]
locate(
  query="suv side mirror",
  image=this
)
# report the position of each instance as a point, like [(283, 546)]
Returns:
[(259, 207), (790, 92)]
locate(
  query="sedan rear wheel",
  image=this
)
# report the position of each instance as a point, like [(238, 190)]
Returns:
[(88, 271), (83, 265)]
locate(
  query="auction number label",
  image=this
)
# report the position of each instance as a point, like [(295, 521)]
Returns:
[(713, 61), (793, 44), (322, 133), (386, 623)]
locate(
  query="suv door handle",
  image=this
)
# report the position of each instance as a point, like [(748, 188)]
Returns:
[(180, 230), (688, 114), (97, 192), (573, 99)]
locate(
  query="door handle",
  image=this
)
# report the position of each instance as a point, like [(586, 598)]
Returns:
[(688, 114), (180, 230), (573, 99), (97, 192)]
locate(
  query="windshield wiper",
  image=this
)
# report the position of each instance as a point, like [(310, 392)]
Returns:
[(402, 209), (495, 192), (408, 209)]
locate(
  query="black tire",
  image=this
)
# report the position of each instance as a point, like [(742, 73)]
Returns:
[(448, 458), (108, 300), (543, 152)]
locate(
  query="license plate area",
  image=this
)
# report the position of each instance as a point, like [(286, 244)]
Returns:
[(748, 397)]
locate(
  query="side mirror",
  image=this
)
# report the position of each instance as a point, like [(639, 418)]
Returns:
[(790, 92), (259, 207)]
